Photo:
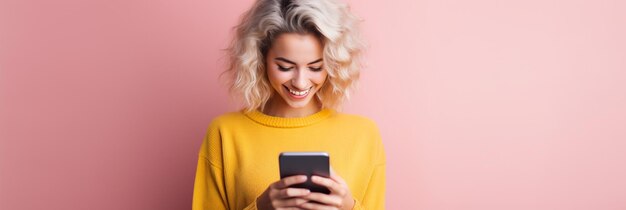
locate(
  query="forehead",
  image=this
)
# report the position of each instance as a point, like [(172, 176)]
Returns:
[(300, 48)]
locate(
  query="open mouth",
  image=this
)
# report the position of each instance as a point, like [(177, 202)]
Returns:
[(298, 94)]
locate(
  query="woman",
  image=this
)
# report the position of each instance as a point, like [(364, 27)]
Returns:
[(293, 63)]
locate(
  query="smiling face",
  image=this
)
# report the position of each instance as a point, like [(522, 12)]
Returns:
[(295, 70)]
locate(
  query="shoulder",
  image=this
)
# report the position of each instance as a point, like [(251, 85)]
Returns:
[(220, 125), (356, 120), (368, 133), (357, 123), (227, 119)]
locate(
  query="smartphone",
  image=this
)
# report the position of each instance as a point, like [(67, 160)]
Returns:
[(305, 163)]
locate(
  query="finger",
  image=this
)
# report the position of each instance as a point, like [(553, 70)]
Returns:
[(288, 181), (323, 199), (288, 193), (291, 192), (316, 206), (293, 202), (338, 179), (333, 186), (289, 208), (335, 176)]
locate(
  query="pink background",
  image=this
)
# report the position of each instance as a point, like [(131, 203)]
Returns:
[(482, 104)]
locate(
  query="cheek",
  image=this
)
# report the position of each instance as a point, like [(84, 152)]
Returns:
[(320, 78), (277, 77)]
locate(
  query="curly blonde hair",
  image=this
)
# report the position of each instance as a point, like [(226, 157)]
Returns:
[(330, 20)]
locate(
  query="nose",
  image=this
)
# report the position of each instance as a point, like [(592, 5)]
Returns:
[(300, 80)]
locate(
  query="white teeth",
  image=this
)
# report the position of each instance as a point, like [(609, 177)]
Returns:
[(299, 93)]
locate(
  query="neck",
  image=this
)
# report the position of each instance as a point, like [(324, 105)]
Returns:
[(277, 107)]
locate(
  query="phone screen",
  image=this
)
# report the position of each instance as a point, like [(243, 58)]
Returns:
[(305, 163)]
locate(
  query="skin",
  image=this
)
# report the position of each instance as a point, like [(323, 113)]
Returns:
[(294, 62)]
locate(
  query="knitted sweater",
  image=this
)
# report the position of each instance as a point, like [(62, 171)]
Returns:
[(238, 158)]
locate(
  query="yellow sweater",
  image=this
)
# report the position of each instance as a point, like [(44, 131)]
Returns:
[(238, 159)]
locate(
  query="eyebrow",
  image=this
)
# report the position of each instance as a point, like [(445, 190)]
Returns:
[(294, 63)]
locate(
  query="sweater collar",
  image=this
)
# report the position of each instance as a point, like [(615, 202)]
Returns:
[(283, 122)]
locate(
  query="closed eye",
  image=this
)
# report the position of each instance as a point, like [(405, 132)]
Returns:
[(282, 68), (315, 69)]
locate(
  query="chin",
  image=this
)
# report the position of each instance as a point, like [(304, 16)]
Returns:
[(299, 104)]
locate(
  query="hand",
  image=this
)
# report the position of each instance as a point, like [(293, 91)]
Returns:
[(339, 197), (279, 196)]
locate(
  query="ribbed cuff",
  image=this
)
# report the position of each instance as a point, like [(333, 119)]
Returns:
[(251, 206), (357, 205)]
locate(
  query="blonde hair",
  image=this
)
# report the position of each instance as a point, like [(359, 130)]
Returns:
[(329, 20)]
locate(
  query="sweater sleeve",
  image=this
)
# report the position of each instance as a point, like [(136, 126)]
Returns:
[(209, 189), (251, 206), (374, 197)]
